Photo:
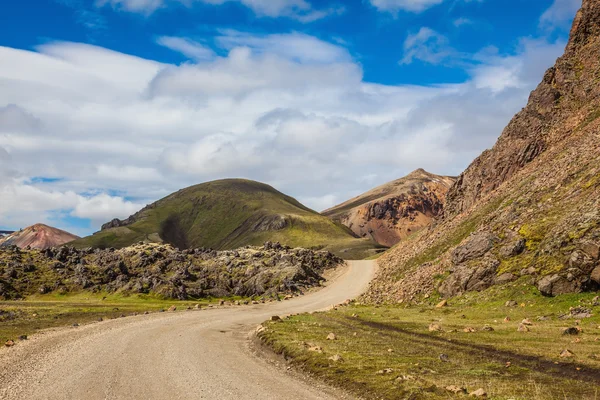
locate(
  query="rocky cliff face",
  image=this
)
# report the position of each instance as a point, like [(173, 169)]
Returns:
[(392, 212), (564, 100), (529, 208), (38, 236)]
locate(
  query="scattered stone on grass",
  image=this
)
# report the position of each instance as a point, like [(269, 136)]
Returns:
[(384, 371), (573, 330), (435, 327), (479, 393), (443, 303), (456, 389), (566, 354), (331, 336)]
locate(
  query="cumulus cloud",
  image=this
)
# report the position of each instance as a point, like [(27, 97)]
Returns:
[(187, 47), (300, 10), (559, 14), (121, 131), (426, 45), (394, 6)]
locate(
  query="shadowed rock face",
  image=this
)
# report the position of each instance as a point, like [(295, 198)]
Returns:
[(394, 211), (536, 193), (38, 236)]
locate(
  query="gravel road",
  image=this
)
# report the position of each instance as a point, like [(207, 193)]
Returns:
[(182, 355)]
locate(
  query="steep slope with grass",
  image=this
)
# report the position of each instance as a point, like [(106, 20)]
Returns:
[(228, 214), (530, 206), (393, 211), (38, 236)]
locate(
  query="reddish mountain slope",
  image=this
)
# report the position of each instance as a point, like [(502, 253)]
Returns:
[(38, 236)]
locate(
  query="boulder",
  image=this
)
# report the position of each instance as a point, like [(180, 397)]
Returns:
[(554, 285), (504, 278), (591, 249), (513, 249), (475, 247), (595, 275), (466, 278)]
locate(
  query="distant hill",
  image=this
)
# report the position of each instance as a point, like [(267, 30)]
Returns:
[(393, 211), (529, 208), (38, 236), (228, 214)]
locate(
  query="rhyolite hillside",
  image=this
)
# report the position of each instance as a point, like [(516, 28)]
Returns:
[(393, 211), (38, 236)]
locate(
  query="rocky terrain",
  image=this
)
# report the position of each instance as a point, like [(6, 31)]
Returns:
[(162, 270), (228, 214), (393, 211), (38, 236), (529, 208)]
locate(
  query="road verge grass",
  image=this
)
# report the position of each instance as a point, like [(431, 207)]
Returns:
[(389, 352)]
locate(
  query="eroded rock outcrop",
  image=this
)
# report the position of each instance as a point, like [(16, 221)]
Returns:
[(394, 211), (163, 270)]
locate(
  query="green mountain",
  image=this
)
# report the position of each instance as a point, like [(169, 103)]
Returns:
[(228, 214)]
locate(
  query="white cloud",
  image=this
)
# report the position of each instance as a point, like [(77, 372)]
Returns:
[(394, 6), (462, 21), (104, 207), (426, 45), (559, 14), (116, 127), (187, 47), (136, 6), (300, 10), (295, 46)]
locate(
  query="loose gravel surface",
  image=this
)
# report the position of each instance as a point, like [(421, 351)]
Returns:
[(180, 355)]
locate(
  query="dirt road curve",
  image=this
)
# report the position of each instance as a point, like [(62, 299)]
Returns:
[(183, 355)]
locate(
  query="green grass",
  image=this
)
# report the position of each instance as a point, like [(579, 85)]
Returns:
[(53, 310), (225, 215), (476, 360)]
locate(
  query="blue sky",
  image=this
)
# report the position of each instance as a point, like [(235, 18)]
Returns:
[(110, 104)]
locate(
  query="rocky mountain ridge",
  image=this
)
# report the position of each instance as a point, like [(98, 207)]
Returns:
[(527, 209), (391, 212)]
